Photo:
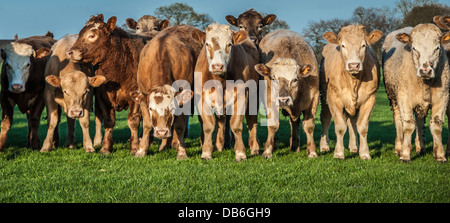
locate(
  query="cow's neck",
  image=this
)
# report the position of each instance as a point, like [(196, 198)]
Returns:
[(354, 83)]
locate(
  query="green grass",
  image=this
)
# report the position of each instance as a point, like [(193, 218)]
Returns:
[(65, 175)]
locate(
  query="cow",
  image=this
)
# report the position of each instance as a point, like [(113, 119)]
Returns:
[(416, 75), (115, 53), (349, 77), (147, 23), (287, 58), (443, 22), (228, 56), (167, 58), (68, 85), (22, 84), (252, 22)]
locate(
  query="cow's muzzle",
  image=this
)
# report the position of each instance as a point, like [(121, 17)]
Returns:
[(76, 113), (17, 88), (74, 55), (162, 133), (284, 101), (426, 72)]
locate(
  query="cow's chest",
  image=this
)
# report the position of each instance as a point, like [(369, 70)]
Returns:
[(26, 101)]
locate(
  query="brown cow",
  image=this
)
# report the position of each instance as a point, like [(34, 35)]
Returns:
[(69, 86), (22, 81), (443, 22), (169, 57), (228, 56), (252, 22), (147, 23), (116, 53), (287, 58), (416, 75), (349, 78)]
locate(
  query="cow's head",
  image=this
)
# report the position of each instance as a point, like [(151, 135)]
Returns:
[(76, 88), (92, 40), (218, 43), (19, 60), (252, 22), (426, 42), (161, 103), (147, 23), (288, 73), (352, 43)]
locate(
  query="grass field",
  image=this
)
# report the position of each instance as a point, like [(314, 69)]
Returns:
[(65, 175)]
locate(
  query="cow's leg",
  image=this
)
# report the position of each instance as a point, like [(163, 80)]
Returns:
[(236, 128), (52, 123), (56, 132), (109, 120), (325, 120), (84, 123), (308, 126), (420, 135), (340, 127), (294, 142), (252, 126), (352, 131), (7, 120), (363, 126), (34, 121), (209, 123), (270, 146), (436, 123), (398, 128), (220, 134), (98, 122), (180, 127), (448, 126), (409, 125), (146, 132), (134, 120), (70, 132)]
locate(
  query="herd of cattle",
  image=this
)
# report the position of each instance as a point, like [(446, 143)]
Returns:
[(136, 72)]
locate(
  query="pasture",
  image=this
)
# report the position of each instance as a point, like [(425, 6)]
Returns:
[(65, 175)]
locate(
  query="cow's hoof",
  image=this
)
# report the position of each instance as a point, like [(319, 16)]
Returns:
[(365, 157), (405, 159), (89, 150), (312, 155), (206, 156), (339, 156), (240, 157), (105, 152), (140, 153), (353, 150), (441, 159), (182, 156), (325, 149), (267, 154), (44, 150), (254, 152)]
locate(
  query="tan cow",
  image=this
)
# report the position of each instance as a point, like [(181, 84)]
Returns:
[(228, 56), (349, 78), (289, 59), (69, 86), (416, 75), (147, 23), (169, 57)]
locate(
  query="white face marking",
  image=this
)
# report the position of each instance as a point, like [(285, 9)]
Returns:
[(18, 64), (286, 68), (426, 48), (219, 40), (159, 102)]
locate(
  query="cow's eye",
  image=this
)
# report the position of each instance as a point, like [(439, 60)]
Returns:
[(155, 28), (207, 44), (86, 91), (65, 92), (437, 48), (92, 36), (27, 65), (241, 27), (137, 28), (342, 46), (364, 45), (260, 26), (229, 45)]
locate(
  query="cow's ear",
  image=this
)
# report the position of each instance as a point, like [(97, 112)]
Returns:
[(269, 19), (262, 69), (199, 36), (100, 17), (404, 38), (163, 24), (137, 96), (331, 37), (16, 37), (42, 53), (445, 38), (53, 80), (183, 97), (231, 19), (131, 23), (305, 70), (111, 24), (97, 80), (3, 54), (239, 37), (442, 22), (374, 36)]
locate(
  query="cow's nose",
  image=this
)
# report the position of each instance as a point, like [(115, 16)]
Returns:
[(284, 100), (16, 87), (354, 66), (218, 67), (162, 133), (76, 112)]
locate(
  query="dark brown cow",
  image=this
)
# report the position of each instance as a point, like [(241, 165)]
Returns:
[(169, 57), (116, 53), (69, 85), (252, 22), (228, 56), (22, 81)]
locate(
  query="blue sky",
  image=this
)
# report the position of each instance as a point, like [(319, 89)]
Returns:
[(35, 17)]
